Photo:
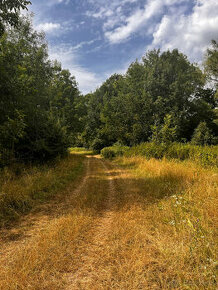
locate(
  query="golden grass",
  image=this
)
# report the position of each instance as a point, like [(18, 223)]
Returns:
[(47, 250), (131, 224), (21, 192), (164, 235)]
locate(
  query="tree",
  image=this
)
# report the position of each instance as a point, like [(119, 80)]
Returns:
[(37, 99), (202, 135), (162, 93), (64, 99), (9, 12), (165, 133), (211, 62)]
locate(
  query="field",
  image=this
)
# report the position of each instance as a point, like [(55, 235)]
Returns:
[(130, 223)]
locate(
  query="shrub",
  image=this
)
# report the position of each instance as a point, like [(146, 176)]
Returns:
[(202, 135), (113, 151), (204, 155)]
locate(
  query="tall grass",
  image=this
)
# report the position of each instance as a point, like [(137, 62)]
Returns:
[(164, 235), (204, 155), (161, 232), (22, 187), (50, 253)]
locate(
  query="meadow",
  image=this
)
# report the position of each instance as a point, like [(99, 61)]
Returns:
[(128, 223)]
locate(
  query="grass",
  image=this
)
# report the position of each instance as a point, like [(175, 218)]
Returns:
[(164, 235), (80, 151), (160, 234), (20, 192), (206, 156), (45, 254)]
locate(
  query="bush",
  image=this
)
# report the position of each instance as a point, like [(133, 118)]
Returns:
[(149, 150), (202, 135), (204, 155), (113, 151)]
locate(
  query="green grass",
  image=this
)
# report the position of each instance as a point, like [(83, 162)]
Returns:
[(203, 155), (80, 150)]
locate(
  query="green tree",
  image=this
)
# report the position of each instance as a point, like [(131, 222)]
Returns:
[(9, 12), (202, 135), (165, 133), (128, 108), (33, 86), (211, 62)]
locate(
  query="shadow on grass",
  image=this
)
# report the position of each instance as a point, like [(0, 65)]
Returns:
[(93, 196)]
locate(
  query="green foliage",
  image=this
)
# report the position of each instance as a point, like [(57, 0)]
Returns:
[(204, 155), (161, 98), (9, 12), (12, 130), (113, 151), (38, 106), (10, 133), (165, 133), (211, 62), (149, 150), (202, 135)]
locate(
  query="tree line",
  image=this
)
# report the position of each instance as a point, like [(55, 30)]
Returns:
[(161, 98), (39, 101)]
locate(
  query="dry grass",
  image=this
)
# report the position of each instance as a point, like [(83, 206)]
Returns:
[(134, 224), (19, 193), (164, 232), (50, 248)]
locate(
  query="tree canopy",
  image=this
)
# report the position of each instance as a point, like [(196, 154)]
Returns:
[(38, 98), (9, 12), (160, 96)]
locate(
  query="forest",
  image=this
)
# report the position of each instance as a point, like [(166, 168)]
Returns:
[(161, 98)]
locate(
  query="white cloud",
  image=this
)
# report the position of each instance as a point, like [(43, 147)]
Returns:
[(48, 27), (68, 57), (168, 21), (191, 34), (54, 2), (83, 43), (139, 19), (112, 12)]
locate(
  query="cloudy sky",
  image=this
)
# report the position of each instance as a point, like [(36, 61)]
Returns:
[(96, 38)]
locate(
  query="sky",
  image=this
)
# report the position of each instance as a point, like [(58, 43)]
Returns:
[(97, 38)]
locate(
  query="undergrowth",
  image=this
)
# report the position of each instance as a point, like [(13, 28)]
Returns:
[(204, 155)]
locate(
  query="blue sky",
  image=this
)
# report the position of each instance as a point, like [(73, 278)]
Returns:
[(96, 38)]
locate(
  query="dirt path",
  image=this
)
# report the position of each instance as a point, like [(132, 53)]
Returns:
[(89, 270), (95, 194)]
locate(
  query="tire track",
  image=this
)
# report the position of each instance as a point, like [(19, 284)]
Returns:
[(34, 223), (89, 270)]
